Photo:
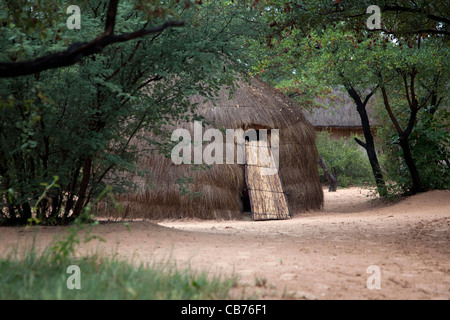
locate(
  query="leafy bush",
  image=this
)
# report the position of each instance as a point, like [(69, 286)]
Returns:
[(430, 147), (346, 159), (81, 122)]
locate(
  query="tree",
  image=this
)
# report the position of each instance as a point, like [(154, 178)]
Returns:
[(332, 40), (332, 58), (76, 51), (399, 17), (78, 122), (410, 81)]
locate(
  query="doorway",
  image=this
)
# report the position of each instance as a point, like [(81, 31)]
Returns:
[(245, 198)]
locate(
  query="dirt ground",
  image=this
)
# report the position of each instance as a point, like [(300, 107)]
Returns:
[(316, 255)]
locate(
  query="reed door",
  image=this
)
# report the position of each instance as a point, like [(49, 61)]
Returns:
[(267, 197)]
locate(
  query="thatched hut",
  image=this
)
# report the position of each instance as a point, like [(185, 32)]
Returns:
[(341, 118), (219, 192)]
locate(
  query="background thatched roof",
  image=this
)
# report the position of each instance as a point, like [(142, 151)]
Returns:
[(341, 112)]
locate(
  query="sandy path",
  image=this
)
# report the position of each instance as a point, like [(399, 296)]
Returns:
[(318, 255)]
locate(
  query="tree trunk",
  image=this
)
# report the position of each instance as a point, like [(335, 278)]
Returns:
[(405, 134), (83, 187), (369, 145), (26, 213), (332, 179), (72, 187), (414, 172)]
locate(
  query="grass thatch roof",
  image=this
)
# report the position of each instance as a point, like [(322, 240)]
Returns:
[(341, 112), (216, 191)]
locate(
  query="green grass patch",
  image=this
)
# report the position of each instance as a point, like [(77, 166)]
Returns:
[(47, 275), (39, 277)]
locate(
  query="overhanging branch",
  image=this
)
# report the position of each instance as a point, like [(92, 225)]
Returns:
[(78, 51), (420, 11)]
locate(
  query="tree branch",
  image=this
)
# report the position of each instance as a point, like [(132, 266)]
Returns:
[(77, 51), (414, 32), (389, 110), (405, 80), (413, 90), (362, 144), (430, 16), (111, 17), (366, 100)]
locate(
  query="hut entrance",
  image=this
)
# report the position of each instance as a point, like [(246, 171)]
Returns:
[(266, 194), (246, 200)]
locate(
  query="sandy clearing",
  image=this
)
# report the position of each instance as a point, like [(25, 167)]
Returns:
[(316, 255)]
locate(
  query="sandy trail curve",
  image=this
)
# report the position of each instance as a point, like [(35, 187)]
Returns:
[(316, 255)]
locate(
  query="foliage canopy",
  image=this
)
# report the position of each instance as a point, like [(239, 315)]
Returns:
[(78, 122)]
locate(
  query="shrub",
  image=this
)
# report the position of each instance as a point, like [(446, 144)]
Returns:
[(346, 159), (430, 147)]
